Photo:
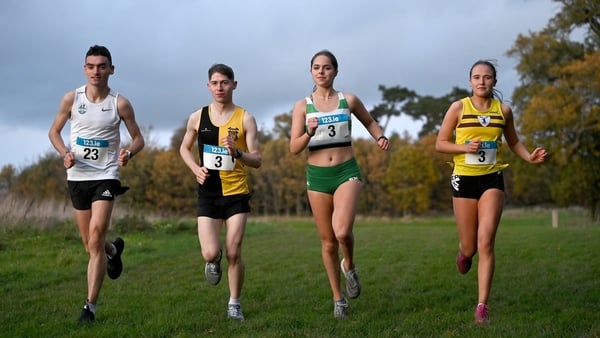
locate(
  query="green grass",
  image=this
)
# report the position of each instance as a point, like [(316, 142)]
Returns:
[(546, 283)]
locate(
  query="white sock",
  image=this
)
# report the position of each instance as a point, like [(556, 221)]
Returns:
[(113, 250), (233, 301)]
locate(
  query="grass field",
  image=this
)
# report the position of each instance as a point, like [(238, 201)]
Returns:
[(547, 283)]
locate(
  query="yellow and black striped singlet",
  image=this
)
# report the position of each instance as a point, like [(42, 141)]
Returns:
[(488, 127)]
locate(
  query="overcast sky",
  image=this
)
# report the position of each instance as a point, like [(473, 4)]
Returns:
[(162, 50)]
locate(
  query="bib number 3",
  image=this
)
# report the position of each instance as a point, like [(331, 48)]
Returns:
[(217, 158), (486, 154)]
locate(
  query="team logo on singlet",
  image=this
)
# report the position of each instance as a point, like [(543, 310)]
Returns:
[(233, 133), (455, 181), (82, 109), (484, 120)]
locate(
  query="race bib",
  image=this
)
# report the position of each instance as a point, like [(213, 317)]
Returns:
[(217, 158), (486, 154), (333, 128), (91, 150)]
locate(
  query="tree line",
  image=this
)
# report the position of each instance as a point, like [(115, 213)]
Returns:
[(556, 105)]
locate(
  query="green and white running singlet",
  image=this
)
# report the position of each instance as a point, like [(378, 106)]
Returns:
[(335, 127)]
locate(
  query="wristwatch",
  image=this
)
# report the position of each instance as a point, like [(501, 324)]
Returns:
[(238, 153)]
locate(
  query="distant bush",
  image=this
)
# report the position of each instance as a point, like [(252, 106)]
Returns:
[(139, 223), (172, 226), (132, 223)]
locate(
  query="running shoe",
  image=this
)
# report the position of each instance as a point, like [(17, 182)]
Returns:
[(86, 316), (114, 265), (352, 282), (482, 314), (234, 311), (212, 270), (340, 308), (463, 263)]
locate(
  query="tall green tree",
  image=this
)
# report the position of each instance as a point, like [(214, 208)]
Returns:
[(394, 100), (431, 110), (559, 101)]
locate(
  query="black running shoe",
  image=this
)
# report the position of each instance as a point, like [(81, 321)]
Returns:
[(86, 316), (114, 266)]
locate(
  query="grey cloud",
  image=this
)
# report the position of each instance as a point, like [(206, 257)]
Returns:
[(162, 49)]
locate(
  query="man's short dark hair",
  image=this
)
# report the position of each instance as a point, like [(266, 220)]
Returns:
[(99, 51), (221, 69)]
